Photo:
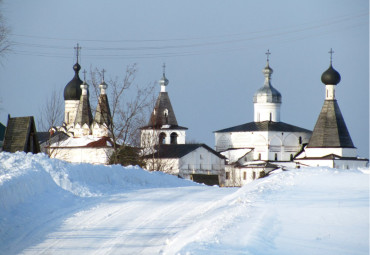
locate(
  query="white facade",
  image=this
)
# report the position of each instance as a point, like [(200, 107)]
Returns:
[(82, 155), (70, 111), (267, 112), (334, 162), (322, 152), (86, 149), (200, 161), (267, 145), (239, 176)]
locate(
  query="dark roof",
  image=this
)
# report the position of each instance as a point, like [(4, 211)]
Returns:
[(179, 150), (20, 135), (158, 117), (72, 90), (45, 136), (83, 115), (103, 115), (2, 131), (330, 129), (264, 126), (172, 127), (330, 76)]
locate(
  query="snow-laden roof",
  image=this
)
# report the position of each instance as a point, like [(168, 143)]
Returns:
[(234, 155), (85, 141)]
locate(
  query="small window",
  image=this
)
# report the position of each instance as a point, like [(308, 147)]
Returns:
[(300, 140), (244, 175), (254, 175), (259, 156), (270, 116), (227, 175), (276, 157), (291, 157), (200, 156), (165, 113)]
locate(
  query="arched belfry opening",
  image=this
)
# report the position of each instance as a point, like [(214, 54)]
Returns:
[(174, 138), (162, 138)]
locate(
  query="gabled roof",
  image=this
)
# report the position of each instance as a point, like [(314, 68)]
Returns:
[(20, 135), (263, 126), (163, 113), (179, 150), (330, 129)]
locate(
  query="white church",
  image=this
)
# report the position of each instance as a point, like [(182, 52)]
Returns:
[(331, 144), (82, 138), (255, 148)]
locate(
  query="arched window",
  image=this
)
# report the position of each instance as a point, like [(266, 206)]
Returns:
[(276, 157), (270, 116), (300, 140), (162, 138), (174, 138), (291, 157), (259, 156)]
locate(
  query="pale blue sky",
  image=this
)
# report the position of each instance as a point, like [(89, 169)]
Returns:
[(214, 52)]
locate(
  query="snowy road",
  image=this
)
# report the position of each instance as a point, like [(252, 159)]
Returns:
[(141, 222)]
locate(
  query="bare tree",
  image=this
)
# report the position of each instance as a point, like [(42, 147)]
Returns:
[(51, 113), (4, 36), (128, 104)]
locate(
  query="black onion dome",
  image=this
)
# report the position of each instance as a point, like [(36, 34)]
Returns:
[(330, 76), (72, 90)]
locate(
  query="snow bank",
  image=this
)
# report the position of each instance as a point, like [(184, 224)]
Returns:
[(24, 176), (305, 211), (53, 207)]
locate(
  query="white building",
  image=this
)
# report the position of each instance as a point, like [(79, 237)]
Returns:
[(331, 144), (265, 140), (89, 138), (165, 149)]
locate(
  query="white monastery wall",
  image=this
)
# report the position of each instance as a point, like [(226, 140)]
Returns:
[(82, 155)]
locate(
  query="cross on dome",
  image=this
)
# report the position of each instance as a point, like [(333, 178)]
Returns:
[(164, 68), (78, 48), (331, 55), (103, 71), (268, 53), (84, 72)]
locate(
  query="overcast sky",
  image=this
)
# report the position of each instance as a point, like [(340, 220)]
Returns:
[(214, 52)]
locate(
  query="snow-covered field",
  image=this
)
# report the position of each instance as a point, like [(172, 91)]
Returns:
[(52, 207)]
